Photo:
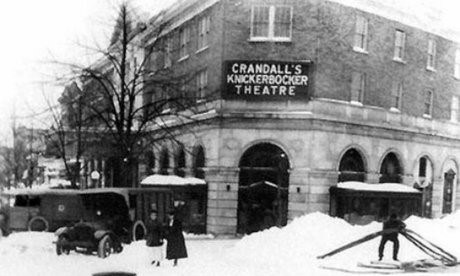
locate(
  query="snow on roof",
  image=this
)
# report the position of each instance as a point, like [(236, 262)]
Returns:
[(158, 179), (383, 187)]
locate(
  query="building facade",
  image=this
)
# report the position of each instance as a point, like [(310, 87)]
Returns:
[(306, 94)]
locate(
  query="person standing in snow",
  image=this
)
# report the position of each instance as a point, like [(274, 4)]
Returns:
[(395, 224), (4, 231), (154, 237), (175, 248)]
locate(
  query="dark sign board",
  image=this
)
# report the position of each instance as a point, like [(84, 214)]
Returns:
[(266, 80)]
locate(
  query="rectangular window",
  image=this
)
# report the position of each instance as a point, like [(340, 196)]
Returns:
[(396, 94), (168, 52), (457, 64), (184, 38), (361, 34), (428, 105), (430, 64), (358, 84), (201, 83), (454, 109), (271, 23), (400, 40), (203, 32)]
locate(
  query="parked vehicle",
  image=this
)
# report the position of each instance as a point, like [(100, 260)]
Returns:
[(104, 226), (41, 210)]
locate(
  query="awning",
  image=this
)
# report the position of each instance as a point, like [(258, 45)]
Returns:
[(382, 187), (171, 180)]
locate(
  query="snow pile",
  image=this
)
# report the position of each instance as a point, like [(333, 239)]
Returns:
[(291, 250)]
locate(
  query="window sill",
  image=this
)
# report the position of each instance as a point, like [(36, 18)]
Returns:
[(456, 77), (270, 39), (360, 50), (395, 110), (427, 116), (183, 58), (398, 60), (430, 69), (202, 49)]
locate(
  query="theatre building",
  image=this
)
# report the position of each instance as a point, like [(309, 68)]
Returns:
[(296, 96)]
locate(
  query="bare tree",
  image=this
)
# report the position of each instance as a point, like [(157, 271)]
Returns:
[(130, 96)]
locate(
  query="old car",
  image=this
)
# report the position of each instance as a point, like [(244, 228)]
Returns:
[(111, 217), (105, 224)]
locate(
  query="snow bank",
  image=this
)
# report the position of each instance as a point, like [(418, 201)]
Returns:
[(291, 250)]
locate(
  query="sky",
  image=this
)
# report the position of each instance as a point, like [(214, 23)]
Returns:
[(34, 33)]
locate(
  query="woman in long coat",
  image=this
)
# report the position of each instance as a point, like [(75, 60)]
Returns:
[(175, 248), (154, 238)]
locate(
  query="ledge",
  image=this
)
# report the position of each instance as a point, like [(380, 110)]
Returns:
[(360, 50), (183, 58), (202, 49)]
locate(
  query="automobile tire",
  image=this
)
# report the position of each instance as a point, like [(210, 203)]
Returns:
[(38, 224), (105, 247), (139, 230)]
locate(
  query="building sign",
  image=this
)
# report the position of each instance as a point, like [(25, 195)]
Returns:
[(266, 80)]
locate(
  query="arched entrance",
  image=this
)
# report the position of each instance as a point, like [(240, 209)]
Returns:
[(351, 167), (263, 188), (390, 170)]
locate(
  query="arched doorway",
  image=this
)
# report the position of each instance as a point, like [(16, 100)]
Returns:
[(351, 167), (390, 170), (263, 188)]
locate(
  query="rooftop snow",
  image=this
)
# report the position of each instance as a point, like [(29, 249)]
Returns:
[(384, 187), (158, 179)]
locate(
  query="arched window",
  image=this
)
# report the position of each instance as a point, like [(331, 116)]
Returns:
[(351, 167), (179, 169), (164, 161), (390, 170), (149, 162), (199, 164), (423, 178)]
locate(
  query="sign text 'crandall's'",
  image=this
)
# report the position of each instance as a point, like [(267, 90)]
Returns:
[(266, 80)]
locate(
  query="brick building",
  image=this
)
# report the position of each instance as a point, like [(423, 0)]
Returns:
[(381, 104)]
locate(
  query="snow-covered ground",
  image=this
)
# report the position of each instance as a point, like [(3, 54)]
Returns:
[(288, 251)]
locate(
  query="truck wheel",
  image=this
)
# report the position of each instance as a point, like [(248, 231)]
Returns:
[(105, 247), (139, 230), (39, 224)]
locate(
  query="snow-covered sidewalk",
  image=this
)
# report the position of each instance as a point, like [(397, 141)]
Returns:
[(288, 251)]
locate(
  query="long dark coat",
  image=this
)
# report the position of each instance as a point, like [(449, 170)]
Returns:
[(154, 235), (175, 248)]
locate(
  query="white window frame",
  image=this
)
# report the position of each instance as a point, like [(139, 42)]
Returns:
[(271, 24), (457, 64), (201, 83), (361, 86), (203, 32), (184, 41), (454, 108), (431, 55), (397, 93), (361, 35), (430, 111), (400, 45)]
